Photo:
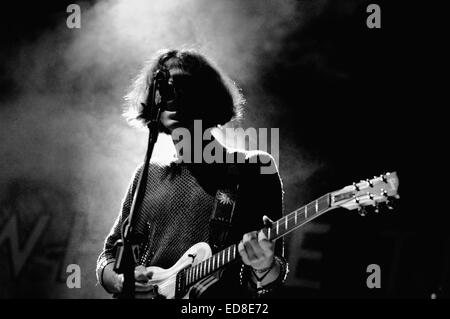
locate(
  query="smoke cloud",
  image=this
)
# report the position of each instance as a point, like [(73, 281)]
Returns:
[(64, 124)]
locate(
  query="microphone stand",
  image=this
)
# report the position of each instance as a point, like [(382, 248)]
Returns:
[(128, 246)]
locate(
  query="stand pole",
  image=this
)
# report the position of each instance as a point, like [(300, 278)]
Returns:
[(128, 246)]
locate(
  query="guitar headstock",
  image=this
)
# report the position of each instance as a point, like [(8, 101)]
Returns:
[(371, 192)]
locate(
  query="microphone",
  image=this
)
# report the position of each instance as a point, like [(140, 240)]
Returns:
[(161, 92)]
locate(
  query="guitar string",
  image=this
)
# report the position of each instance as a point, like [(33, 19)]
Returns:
[(290, 217)]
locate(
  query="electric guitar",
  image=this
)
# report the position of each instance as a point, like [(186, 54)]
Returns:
[(198, 262)]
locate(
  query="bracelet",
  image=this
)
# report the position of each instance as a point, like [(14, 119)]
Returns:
[(260, 291)]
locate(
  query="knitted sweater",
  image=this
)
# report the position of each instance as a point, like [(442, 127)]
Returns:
[(177, 207)]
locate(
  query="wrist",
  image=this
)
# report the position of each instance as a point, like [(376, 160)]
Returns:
[(265, 269), (272, 279)]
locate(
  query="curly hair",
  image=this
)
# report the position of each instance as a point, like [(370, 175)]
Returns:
[(218, 99)]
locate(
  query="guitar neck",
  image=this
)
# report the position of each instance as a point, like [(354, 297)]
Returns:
[(280, 228)]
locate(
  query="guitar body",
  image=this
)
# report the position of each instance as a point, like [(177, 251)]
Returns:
[(165, 279)]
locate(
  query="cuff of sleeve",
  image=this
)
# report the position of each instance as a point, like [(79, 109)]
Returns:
[(102, 263)]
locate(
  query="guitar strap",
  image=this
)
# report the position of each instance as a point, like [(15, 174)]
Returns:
[(222, 214), (219, 226)]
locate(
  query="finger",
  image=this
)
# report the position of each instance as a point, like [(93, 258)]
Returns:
[(119, 283), (149, 274), (140, 273), (262, 236), (267, 248), (265, 243), (255, 244), (243, 254), (252, 247)]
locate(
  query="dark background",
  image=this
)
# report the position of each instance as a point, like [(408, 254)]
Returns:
[(344, 102)]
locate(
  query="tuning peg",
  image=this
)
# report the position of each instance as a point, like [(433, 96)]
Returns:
[(370, 182), (371, 197), (376, 208), (390, 204), (356, 187), (362, 211)]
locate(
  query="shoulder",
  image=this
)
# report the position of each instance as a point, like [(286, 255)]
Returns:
[(153, 167), (260, 157), (257, 161)]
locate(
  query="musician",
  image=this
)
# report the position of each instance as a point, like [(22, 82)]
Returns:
[(181, 194)]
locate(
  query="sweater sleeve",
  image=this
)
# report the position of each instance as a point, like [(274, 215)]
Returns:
[(108, 253), (264, 197)]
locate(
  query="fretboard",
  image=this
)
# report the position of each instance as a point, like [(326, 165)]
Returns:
[(280, 228)]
